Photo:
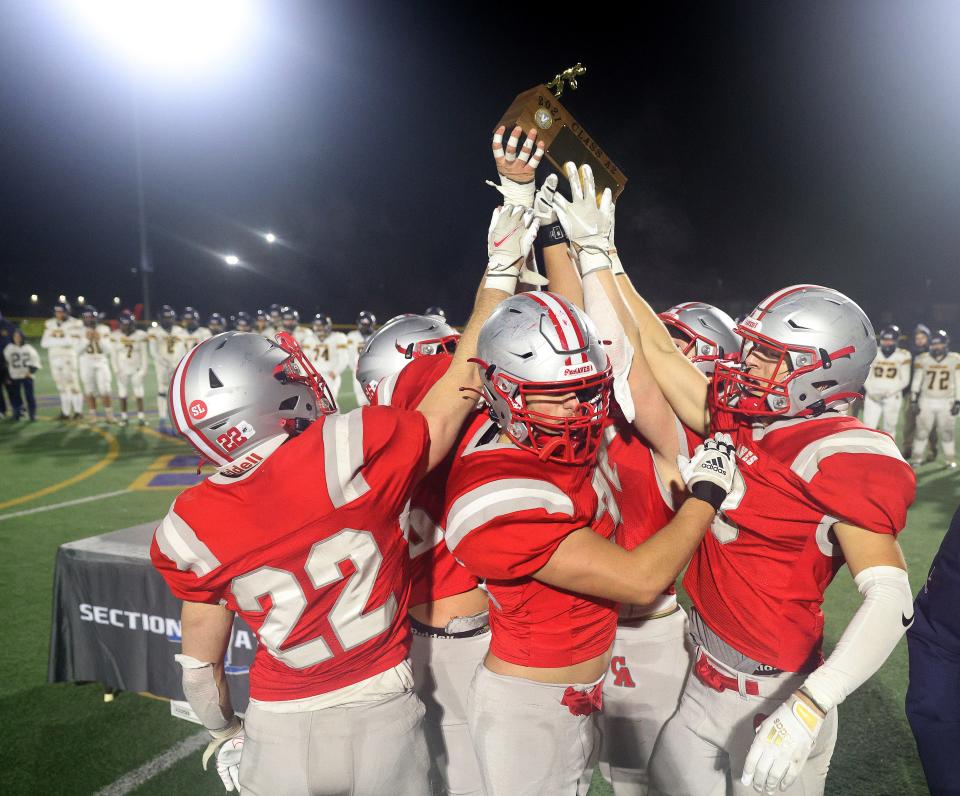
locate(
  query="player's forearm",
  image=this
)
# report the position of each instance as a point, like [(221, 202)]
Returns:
[(450, 401), (562, 273), (684, 387), (659, 559), (205, 630)]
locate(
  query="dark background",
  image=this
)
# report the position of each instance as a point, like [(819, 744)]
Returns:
[(766, 144)]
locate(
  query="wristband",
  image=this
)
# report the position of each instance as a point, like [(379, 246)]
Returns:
[(551, 234), (709, 492)]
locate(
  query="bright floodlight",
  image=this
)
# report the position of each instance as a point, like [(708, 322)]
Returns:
[(116, 299), (81, 300), (231, 259), (269, 237), (62, 298), (34, 298), (169, 35)]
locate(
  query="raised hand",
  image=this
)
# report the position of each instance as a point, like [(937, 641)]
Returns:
[(586, 221), (518, 167), (509, 241)]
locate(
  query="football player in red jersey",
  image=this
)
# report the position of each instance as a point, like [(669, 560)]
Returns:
[(448, 609), (822, 490), (527, 511), (300, 532)]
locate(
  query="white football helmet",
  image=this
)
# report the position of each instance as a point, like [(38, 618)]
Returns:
[(538, 343), (705, 333), (238, 389), (824, 340), (397, 343)]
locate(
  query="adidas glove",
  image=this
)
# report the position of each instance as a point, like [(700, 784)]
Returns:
[(782, 745), (711, 474)]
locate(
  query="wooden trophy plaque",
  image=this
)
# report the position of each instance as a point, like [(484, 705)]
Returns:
[(563, 136)]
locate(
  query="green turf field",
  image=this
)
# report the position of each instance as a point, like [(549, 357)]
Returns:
[(66, 739)]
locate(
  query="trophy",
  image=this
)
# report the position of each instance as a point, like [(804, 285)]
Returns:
[(562, 135)]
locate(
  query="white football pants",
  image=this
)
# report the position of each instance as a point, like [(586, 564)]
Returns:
[(164, 374), (935, 413), (885, 408), (374, 749), (702, 749), (133, 381), (651, 659), (95, 376), (65, 377), (442, 671), (527, 741)]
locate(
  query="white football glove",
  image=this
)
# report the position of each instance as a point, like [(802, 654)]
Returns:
[(711, 474), (543, 207), (228, 750), (783, 744), (586, 222), (509, 241)]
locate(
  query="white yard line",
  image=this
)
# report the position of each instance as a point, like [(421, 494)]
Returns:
[(64, 504), (134, 779)]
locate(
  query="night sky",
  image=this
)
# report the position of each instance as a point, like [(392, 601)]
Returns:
[(765, 144)]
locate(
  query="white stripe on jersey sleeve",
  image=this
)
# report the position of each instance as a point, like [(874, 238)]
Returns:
[(807, 462), (178, 542), (343, 457), (498, 498)]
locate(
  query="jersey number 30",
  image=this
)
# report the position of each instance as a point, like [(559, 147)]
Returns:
[(350, 625)]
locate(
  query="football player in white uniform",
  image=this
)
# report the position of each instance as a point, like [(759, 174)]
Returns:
[(130, 364), (366, 326), (242, 322), (276, 316), (193, 332), (328, 350), (262, 325), (61, 335), (889, 376), (935, 392), (93, 349), (167, 348), (217, 323), (290, 323)]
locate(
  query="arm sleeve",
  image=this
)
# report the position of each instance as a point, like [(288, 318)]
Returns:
[(903, 375), (917, 376), (598, 307)]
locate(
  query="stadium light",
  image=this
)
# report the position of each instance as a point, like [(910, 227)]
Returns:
[(116, 299), (231, 259), (269, 237), (153, 324), (170, 36), (34, 298), (61, 298), (81, 300)]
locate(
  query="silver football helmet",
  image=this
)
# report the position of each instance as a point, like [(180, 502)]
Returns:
[(238, 389), (704, 333), (825, 344), (397, 343), (539, 344)]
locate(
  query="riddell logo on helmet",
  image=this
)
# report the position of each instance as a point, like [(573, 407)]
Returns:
[(198, 410), (577, 371)]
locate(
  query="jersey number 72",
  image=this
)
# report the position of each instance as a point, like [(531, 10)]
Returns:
[(350, 625)]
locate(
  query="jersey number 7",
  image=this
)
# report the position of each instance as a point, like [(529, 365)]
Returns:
[(350, 625)]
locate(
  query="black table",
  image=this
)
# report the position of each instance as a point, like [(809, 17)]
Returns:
[(116, 622)]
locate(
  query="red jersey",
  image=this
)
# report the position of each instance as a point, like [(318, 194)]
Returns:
[(507, 512), (759, 576), (307, 547), (434, 572)]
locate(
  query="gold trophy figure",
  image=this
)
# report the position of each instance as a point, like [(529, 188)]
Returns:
[(563, 136)]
